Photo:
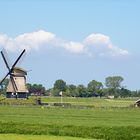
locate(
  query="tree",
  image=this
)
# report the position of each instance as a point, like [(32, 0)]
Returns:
[(125, 92), (113, 83), (71, 90), (81, 91), (94, 87), (36, 89), (4, 86), (60, 85)]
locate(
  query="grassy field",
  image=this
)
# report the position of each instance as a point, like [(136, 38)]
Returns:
[(109, 122), (87, 102), (37, 137), (93, 102)]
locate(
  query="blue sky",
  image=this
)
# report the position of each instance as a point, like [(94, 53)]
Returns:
[(76, 40)]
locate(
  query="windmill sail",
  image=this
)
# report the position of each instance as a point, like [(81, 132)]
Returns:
[(17, 82)]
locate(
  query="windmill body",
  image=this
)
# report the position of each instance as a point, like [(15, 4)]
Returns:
[(17, 79), (19, 76)]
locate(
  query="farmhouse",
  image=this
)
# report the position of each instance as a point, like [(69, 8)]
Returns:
[(137, 103)]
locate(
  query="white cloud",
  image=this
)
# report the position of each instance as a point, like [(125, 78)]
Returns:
[(101, 45), (3, 39), (92, 45), (26, 41), (34, 40), (75, 47), (36, 37), (97, 39)]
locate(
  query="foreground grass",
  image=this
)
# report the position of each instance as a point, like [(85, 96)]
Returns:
[(99, 123), (37, 137), (106, 133)]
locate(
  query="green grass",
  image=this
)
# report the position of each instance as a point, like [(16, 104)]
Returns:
[(69, 116), (8, 101), (37, 137), (74, 102), (93, 102), (99, 123)]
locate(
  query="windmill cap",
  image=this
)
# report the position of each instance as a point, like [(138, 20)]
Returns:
[(20, 70)]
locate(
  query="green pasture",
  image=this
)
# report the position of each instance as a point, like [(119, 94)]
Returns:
[(74, 102), (37, 137), (92, 102), (108, 119), (97, 123)]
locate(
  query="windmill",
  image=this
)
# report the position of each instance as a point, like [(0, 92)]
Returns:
[(17, 79)]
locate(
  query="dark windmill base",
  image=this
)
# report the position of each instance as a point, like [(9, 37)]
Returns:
[(18, 95)]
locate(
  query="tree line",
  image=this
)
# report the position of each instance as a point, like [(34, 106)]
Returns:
[(112, 87)]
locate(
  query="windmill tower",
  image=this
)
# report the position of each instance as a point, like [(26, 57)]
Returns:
[(17, 79)]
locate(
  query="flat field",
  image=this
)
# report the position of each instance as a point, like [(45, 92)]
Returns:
[(37, 137), (93, 102), (108, 122)]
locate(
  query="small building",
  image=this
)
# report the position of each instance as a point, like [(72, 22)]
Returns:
[(19, 89), (137, 103), (111, 97)]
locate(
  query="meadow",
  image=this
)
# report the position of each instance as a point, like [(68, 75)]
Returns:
[(37, 137), (108, 119), (93, 102)]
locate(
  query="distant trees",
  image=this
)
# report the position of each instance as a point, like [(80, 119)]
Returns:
[(113, 86), (36, 89), (71, 90), (95, 88), (4, 86), (59, 85), (81, 91), (113, 83), (124, 93)]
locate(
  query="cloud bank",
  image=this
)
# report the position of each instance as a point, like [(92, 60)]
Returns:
[(92, 45)]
